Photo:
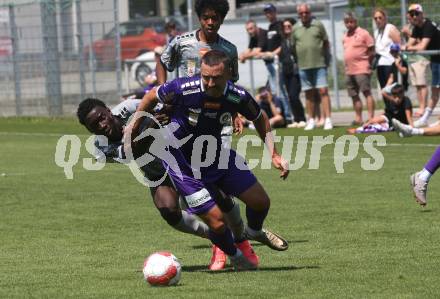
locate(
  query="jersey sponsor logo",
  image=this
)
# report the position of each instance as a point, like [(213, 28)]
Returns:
[(191, 68), (190, 91), (225, 118), (212, 105), (210, 114), (193, 116), (233, 98), (197, 199)]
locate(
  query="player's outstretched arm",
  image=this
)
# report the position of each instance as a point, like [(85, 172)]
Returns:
[(147, 104), (263, 128)]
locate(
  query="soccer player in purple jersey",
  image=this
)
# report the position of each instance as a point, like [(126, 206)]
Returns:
[(184, 53), (202, 104)]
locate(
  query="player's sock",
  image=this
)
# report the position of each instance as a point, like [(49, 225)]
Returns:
[(235, 223), (224, 241), (185, 222), (426, 115), (255, 218), (434, 163), (424, 175), (193, 225), (417, 131)]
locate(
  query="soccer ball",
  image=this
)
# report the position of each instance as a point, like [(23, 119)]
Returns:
[(162, 269)]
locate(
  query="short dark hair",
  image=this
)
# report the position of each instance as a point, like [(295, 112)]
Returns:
[(290, 20), (215, 57), (219, 6), (170, 25), (86, 106), (397, 89)]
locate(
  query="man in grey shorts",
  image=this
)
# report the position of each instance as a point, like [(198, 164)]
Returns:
[(358, 53)]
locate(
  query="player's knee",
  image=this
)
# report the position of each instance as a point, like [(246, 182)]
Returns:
[(217, 226), (171, 216)]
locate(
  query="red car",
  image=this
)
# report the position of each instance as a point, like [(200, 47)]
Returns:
[(137, 37)]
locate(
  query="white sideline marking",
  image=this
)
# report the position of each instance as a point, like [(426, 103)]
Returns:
[(310, 141)]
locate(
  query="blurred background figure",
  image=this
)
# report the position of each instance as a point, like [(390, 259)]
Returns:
[(271, 106), (290, 76), (312, 48), (385, 34), (257, 41), (358, 53), (274, 38), (426, 36), (418, 66)]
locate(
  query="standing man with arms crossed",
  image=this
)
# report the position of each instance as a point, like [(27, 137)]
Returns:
[(185, 53), (312, 46)]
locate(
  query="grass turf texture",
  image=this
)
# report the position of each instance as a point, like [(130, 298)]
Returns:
[(357, 234)]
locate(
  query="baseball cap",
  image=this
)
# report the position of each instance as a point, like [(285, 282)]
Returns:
[(415, 7), (269, 7), (395, 47)]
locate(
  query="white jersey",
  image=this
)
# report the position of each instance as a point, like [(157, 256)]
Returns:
[(382, 45), (185, 53)]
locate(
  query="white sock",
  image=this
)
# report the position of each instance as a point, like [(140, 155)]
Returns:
[(417, 131), (328, 120), (190, 224), (425, 175), (234, 221), (426, 115)]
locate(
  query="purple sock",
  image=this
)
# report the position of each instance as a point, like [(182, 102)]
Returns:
[(255, 218), (434, 163), (224, 241)]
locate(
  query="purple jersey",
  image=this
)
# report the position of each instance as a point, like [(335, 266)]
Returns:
[(199, 114)]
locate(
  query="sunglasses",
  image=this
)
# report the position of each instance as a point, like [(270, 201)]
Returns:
[(378, 18), (414, 13), (288, 26), (304, 13)]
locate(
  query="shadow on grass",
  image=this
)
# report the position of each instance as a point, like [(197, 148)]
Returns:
[(254, 244), (426, 211), (203, 268)]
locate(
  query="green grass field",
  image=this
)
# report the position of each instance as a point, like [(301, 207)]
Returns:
[(358, 234)]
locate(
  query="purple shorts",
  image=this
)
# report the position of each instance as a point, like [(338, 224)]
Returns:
[(198, 193)]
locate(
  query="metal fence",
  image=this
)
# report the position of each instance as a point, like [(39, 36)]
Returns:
[(47, 63), (54, 53)]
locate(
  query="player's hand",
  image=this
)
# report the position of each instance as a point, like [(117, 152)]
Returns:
[(237, 124), (162, 118), (282, 165)]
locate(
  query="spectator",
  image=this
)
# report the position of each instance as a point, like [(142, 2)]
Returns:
[(399, 108), (312, 45), (426, 36), (274, 37), (171, 30), (271, 106), (418, 65), (358, 54), (385, 34), (257, 41), (289, 75), (398, 73)]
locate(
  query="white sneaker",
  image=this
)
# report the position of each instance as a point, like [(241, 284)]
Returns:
[(328, 124), (292, 125), (404, 130), (310, 125), (241, 263), (419, 188), (301, 124), (420, 123)]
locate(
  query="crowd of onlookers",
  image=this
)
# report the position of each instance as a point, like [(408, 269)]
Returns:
[(303, 49)]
